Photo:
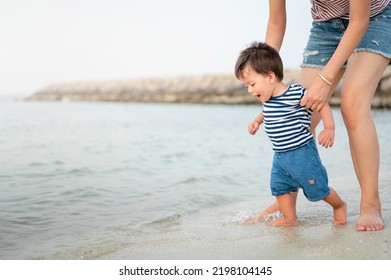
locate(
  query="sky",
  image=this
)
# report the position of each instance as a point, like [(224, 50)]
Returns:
[(45, 42)]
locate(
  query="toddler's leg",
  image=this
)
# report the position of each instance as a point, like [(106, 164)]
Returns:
[(286, 202), (273, 208), (339, 207)]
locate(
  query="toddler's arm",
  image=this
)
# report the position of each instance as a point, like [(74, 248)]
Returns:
[(255, 124), (326, 136)]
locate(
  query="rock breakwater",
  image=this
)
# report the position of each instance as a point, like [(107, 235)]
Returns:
[(203, 89)]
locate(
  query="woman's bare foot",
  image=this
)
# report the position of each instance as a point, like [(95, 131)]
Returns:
[(283, 222), (340, 215), (370, 219)]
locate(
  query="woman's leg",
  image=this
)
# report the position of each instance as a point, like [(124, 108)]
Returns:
[(362, 76)]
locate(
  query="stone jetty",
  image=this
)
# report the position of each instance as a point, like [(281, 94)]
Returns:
[(202, 89)]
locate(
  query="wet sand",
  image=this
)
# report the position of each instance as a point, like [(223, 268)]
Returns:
[(314, 239)]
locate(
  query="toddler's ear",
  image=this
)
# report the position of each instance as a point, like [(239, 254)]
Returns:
[(271, 77)]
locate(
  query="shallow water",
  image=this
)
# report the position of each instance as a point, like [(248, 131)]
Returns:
[(115, 180)]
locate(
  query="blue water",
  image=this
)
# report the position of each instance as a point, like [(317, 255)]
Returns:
[(82, 180)]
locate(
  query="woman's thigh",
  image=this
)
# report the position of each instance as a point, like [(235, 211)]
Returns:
[(363, 73)]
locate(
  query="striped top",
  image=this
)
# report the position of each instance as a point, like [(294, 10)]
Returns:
[(323, 10), (286, 122)]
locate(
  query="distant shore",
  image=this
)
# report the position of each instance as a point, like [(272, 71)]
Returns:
[(202, 89)]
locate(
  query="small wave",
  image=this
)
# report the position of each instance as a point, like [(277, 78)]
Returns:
[(166, 222), (38, 163), (34, 164), (78, 171), (189, 180), (30, 221), (94, 251)]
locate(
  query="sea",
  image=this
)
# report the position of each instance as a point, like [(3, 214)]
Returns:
[(149, 181)]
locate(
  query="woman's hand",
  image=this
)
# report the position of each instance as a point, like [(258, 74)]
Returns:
[(316, 95)]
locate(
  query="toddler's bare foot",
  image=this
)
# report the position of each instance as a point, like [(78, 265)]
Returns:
[(283, 222), (257, 218), (264, 214), (370, 219), (340, 215), (273, 208)]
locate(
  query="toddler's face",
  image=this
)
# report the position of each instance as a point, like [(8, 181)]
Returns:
[(258, 85)]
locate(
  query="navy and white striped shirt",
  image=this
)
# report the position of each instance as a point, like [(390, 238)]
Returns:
[(286, 122)]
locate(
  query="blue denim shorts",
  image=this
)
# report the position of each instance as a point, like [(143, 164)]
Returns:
[(300, 168), (326, 35)]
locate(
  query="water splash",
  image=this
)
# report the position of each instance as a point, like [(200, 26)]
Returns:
[(250, 216)]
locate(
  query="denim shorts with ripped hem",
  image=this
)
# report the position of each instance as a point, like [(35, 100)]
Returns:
[(326, 35)]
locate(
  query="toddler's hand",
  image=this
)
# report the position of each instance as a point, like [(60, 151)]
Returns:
[(253, 127), (326, 137)]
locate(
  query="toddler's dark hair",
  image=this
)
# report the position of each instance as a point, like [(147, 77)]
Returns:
[(262, 58)]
